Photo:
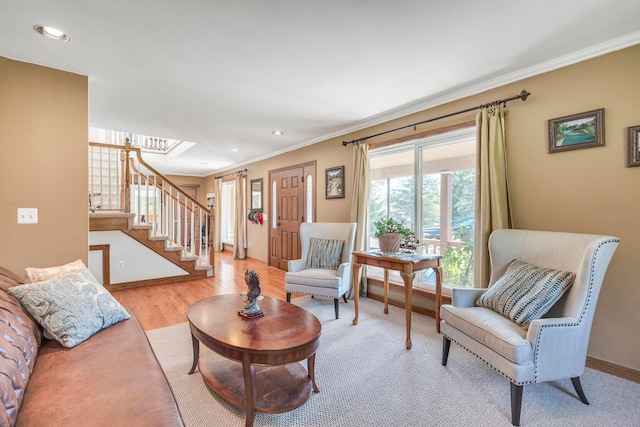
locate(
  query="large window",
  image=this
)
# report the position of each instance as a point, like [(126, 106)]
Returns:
[(228, 216), (441, 211)]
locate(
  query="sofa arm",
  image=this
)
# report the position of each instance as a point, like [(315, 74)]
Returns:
[(344, 268), (465, 297), (547, 336), (297, 265)]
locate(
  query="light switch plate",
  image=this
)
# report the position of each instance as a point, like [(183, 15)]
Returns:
[(27, 215)]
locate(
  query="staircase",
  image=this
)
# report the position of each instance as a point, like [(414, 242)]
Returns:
[(128, 195)]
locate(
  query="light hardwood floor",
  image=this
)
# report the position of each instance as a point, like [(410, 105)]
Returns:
[(165, 305)]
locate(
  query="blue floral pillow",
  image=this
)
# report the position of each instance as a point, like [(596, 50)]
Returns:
[(70, 308)]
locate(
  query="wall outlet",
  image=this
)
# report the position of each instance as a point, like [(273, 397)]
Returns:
[(121, 265), (27, 215)]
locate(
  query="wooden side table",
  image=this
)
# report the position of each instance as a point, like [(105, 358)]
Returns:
[(407, 265)]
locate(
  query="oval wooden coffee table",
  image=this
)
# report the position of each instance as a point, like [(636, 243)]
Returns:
[(260, 369)]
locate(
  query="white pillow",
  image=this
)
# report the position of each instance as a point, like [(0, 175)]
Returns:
[(40, 274)]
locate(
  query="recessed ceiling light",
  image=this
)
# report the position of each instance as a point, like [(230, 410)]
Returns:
[(235, 150), (277, 132), (52, 33)]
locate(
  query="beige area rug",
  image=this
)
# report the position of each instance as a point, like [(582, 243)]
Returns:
[(366, 377)]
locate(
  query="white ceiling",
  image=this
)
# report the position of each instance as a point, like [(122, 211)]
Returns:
[(225, 74)]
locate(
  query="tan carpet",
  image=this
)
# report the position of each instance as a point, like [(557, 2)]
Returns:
[(366, 377)]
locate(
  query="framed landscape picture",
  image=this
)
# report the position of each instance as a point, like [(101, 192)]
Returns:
[(633, 151), (578, 131), (334, 181)]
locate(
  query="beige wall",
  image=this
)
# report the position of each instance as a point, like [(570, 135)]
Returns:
[(43, 164), (201, 182), (588, 191), (43, 116)]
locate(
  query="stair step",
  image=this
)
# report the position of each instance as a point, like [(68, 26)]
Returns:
[(203, 264), (191, 258), (158, 237)]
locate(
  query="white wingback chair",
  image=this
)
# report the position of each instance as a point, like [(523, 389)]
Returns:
[(553, 347), (329, 283)]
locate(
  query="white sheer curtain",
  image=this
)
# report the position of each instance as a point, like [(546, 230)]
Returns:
[(360, 204), (217, 222), (493, 208), (240, 227)]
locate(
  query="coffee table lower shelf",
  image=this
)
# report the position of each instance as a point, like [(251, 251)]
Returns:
[(277, 388)]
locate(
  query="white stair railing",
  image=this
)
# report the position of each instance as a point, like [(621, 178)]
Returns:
[(121, 181)]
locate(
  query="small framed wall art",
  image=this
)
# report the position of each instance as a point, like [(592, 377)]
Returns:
[(578, 131), (334, 181), (633, 151)]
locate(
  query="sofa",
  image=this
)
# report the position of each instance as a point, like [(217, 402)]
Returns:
[(110, 379)]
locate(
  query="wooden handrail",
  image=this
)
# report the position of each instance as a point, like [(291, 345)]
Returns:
[(127, 149)]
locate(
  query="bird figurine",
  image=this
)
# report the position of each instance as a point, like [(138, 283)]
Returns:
[(251, 309)]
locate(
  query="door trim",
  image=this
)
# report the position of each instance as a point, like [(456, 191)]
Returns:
[(309, 168)]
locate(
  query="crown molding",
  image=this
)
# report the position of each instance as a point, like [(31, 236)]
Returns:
[(485, 85), (469, 90)]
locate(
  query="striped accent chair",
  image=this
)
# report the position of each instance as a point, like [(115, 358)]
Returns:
[(324, 268), (536, 327)]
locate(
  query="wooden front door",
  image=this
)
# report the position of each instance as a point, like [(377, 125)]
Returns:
[(287, 190)]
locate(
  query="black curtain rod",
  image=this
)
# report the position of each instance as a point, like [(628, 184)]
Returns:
[(229, 174), (523, 95)]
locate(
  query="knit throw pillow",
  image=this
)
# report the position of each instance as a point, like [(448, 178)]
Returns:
[(324, 253), (526, 292)]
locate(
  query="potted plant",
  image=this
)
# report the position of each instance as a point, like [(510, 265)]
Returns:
[(390, 233)]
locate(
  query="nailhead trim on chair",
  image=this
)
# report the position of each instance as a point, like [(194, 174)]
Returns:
[(488, 364), (584, 309), (317, 294)]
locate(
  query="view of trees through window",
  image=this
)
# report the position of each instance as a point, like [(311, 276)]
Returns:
[(445, 173)]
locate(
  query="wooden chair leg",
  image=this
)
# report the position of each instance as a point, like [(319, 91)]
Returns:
[(288, 296), (344, 297), (446, 345), (335, 303), (516, 403), (576, 384)]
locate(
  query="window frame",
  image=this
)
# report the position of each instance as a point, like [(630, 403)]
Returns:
[(419, 146), (228, 215)]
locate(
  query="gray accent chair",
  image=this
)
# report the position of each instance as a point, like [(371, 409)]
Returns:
[(318, 281), (555, 346)]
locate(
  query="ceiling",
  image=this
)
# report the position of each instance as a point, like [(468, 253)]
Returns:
[(225, 74)]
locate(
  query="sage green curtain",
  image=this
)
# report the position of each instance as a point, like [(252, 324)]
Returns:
[(217, 223), (493, 208), (360, 204), (240, 227)]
